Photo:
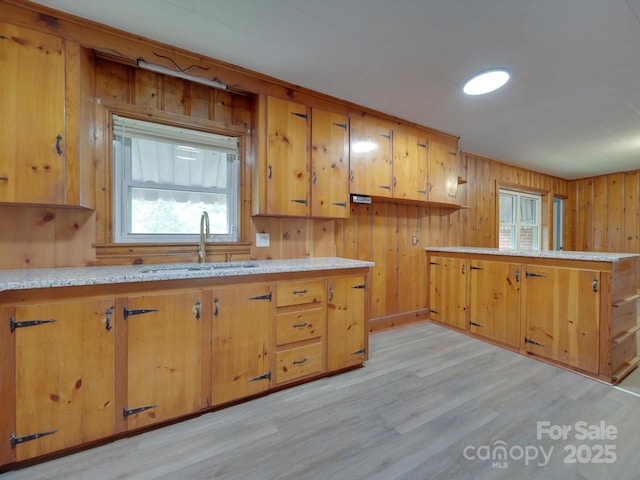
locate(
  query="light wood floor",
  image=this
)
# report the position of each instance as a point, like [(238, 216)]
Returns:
[(425, 395)]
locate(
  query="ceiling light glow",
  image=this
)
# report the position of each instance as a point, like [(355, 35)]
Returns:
[(486, 81)]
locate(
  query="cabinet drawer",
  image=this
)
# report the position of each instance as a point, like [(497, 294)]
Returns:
[(298, 362), (300, 325), (299, 292)]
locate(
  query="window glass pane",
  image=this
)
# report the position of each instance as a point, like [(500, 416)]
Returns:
[(507, 236), (155, 211), (528, 213), (528, 238), (507, 209)]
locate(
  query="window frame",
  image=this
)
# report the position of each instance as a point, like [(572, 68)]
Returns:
[(119, 211), (518, 194)]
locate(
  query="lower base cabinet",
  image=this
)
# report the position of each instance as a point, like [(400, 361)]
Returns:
[(579, 314), (81, 364), (64, 375)]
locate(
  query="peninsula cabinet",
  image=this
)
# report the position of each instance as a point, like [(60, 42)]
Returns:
[(46, 87), (84, 361), (577, 310), (64, 374), (292, 179)]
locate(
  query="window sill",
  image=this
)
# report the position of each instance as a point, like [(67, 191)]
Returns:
[(152, 253)]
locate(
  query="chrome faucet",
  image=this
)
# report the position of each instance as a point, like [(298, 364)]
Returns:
[(204, 234)]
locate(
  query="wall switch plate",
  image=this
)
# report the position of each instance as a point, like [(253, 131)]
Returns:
[(262, 240)]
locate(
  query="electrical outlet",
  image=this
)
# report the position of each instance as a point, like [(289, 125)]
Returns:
[(414, 240), (262, 240)]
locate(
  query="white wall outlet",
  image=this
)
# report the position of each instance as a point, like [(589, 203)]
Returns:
[(262, 240)]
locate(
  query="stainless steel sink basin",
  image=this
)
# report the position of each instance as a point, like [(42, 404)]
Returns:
[(195, 267)]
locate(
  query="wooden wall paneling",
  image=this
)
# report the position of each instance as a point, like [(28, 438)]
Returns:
[(615, 215), (147, 89), (570, 218), (272, 226), (584, 217), (600, 214), (391, 247), (198, 101), (172, 94), (296, 235), (27, 238), (323, 238), (631, 212), (75, 231), (379, 257), (404, 272)]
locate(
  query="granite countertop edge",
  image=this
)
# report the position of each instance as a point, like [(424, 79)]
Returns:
[(23, 279), (554, 254)]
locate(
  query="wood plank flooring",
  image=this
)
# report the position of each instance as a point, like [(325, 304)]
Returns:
[(426, 396)]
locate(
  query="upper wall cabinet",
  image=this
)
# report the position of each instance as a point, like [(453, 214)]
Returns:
[(290, 180), (329, 164), (371, 158), (443, 173), (410, 163), (44, 97)]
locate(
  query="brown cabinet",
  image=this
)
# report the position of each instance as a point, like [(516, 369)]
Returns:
[(443, 173), (346, 327), (494, 301), (64, 375), (44, 93), (292, 179), (164, 356), (240, 341), (371, 158), (301, 318), (448, 291), (329, 164), (410, 163), (579, 314), (561, 318)]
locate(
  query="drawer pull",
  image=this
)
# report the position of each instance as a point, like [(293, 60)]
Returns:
[(299, 325), (300, 292), (300, 362)]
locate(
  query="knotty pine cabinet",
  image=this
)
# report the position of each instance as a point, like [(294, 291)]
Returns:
[(164, 356), (46, 99), (80, 364), (240, 340), (410, 165), (292, 179), (64, 375), (371, 158), (346, 328), (443, 174), (564, 326), (577, 313)]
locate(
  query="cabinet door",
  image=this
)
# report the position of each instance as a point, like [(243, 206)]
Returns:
[(32, 95), (447, 291), (443, 173), (329, 164), (64, 375), (164, 363), (287, 158), (410, 158), (241, 341), (494, 301), (346, 327), (370, 158), (561, 309)]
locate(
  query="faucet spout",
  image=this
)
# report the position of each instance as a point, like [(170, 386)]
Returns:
[(204, 234)]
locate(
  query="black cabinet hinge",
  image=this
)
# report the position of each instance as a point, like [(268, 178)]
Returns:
[(531, 274), (364, 285), (266, 296), (358, 352), (476, 268), (301, 115), (341, 125), (139, 311), (132, 411), (28, 323), (532, 342), (340, 204), (265, 376), (386, 135), (475, 324), (302, 201), (13, 440)]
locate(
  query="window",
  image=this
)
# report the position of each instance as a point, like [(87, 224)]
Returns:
[(165, 177), (520, 220)]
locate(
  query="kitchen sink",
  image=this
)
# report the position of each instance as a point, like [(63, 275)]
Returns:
[(195, 267)]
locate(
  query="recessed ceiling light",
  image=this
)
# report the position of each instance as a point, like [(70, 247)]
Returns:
[(486, 81)]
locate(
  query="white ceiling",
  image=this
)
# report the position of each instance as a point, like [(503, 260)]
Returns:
[(571, 109)]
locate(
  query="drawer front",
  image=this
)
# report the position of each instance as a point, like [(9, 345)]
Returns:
[(299, 292), (300, 325), (298, 362)]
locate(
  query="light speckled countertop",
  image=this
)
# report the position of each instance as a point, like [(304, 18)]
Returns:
[(78, 276), (557, 254)]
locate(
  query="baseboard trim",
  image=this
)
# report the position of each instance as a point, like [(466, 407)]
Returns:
[(397, 320)]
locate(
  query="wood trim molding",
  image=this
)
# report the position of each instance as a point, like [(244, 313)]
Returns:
[(399, 320), (138, 254)]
